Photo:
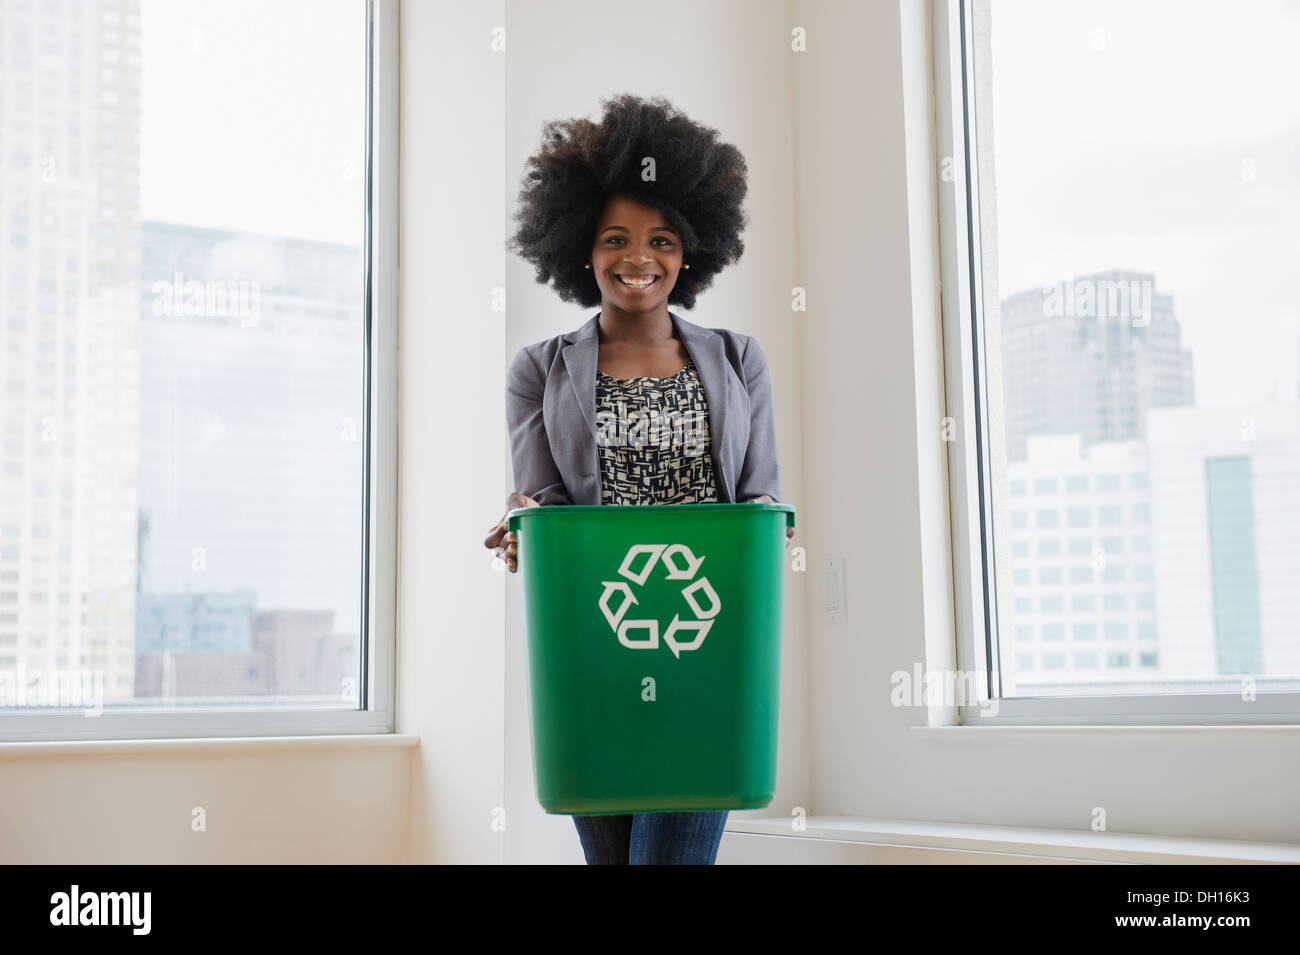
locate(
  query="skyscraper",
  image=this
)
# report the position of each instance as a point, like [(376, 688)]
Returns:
[(1090, 356), (69, 268)]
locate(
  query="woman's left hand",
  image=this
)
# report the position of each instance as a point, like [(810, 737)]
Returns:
[(767, 499)]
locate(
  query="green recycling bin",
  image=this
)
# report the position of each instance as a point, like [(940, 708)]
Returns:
[(654, 650)]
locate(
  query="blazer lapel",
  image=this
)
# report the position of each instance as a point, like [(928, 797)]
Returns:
[(706, 350), (580, 361)]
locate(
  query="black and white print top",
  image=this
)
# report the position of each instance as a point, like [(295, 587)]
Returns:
[(652, 435)]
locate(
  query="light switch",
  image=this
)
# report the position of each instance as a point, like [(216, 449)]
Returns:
[(833, 590)]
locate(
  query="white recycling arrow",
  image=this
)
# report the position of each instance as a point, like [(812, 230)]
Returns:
[(646, 643), (654, 550), (628, 600), (700, 626), (715, 604), (692, 562)]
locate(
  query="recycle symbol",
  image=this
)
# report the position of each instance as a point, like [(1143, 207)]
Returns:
[(685, 571)]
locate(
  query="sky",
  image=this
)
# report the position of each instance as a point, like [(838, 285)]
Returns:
[(1160, 136), (253, 115)]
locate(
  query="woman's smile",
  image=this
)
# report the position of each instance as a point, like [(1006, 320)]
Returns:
[(634, 283)]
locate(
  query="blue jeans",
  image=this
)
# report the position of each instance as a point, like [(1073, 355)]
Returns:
[(651, 838)]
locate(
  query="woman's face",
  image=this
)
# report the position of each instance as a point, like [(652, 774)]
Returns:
[(635, 243)]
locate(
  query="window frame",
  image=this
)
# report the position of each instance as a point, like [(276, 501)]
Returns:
[(975, 580), (376, 710)]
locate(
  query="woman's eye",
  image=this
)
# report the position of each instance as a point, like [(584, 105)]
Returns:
[(662, 239)]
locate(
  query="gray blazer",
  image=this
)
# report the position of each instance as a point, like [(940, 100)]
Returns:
[(551, 414)]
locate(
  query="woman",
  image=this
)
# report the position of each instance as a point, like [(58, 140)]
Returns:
[(634, 214)]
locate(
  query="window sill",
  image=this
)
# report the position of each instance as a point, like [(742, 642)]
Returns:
[(107, 747), (1020, 731), (1113, 847)]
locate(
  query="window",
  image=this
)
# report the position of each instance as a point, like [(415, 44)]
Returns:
[(1110, 515), (1086, 355), (216, 577)]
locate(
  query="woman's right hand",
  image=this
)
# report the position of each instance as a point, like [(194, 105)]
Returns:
[(499, 540)]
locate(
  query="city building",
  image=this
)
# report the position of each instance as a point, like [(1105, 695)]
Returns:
[(1080, 605), (69, 268), (1090, 356), (1174, 560)]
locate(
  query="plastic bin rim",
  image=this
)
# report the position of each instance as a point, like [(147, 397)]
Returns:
[(514, 514)]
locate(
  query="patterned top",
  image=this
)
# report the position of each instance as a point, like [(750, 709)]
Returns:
[(652, 435)]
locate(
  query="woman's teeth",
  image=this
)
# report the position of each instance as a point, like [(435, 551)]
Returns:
[(644, 281)]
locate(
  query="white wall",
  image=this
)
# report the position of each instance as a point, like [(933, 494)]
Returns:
[(450, 659), (263, 801)]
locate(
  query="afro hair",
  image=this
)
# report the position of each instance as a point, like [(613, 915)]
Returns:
[(699, 184)]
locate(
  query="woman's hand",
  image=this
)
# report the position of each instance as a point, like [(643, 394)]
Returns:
[(767, 499), (501, 542)]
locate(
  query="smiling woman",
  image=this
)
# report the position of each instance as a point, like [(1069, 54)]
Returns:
[(634, 214), (647, 152)]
